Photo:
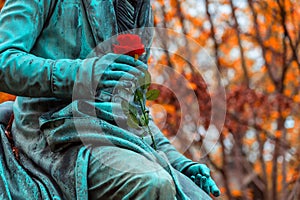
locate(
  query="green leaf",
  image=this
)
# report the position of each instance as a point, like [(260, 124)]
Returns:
[(125, 107), (143, 121), (138, 95), (133, 110), (132, 121), (152, 94), (145, 82)]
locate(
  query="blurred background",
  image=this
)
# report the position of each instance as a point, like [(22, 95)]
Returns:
[(254, 44)]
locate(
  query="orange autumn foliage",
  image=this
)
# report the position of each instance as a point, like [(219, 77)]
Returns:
[(255, 46), (6, 97)]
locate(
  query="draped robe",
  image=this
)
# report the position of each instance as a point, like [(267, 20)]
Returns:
[(44, 54)]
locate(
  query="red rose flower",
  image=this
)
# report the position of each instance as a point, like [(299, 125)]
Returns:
[(129, 44)]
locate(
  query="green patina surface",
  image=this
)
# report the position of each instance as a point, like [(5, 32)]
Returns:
[(68, 125)]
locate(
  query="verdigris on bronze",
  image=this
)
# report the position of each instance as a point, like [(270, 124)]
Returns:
[(70, 146)]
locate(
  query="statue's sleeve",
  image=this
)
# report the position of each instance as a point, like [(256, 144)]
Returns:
[(176, 159), (24, 74)]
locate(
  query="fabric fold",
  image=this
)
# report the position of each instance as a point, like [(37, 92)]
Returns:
[(62, 129), (18, 182)]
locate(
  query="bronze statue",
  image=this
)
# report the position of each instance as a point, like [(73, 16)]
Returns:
[(70, 146)]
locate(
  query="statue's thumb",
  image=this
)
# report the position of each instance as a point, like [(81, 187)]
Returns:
[(213, 188)]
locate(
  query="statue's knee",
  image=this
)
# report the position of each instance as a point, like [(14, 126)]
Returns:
[(160, 184), (165, 183)]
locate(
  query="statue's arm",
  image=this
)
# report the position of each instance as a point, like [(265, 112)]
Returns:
[(24, 74), (177, 160), (199, 173)]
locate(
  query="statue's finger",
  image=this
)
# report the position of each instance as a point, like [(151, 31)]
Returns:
[(116, 75), (131, 61), (114, 83), (204, 184), (126, 68), (193, 178), (204, 170), (206, 190), (198, 180), (215, 191), (214, 188)]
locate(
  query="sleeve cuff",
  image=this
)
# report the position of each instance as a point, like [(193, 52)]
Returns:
[(73, 79)]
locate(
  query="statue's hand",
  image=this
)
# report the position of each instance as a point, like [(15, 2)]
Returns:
[(114, 70), (200, 175)]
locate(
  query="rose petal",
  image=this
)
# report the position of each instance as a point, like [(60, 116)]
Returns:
[(129, 44), (128, 39), (128, 50)]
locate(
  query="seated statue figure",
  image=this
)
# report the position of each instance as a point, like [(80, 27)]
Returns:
[(69, 143)]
